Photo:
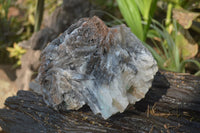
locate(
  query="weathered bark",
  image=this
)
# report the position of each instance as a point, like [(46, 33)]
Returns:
[(171, 105)]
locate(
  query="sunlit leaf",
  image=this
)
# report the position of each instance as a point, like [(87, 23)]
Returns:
[(186, 44), (31, 19), (132, 16), (16, 51), (184, 17), (138, 15)]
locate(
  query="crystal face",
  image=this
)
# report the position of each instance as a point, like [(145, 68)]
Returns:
[(105, 68)]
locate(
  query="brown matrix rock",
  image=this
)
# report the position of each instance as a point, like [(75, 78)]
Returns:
[(105, 68)]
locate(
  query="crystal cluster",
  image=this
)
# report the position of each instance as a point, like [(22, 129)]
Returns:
[(105, 68)]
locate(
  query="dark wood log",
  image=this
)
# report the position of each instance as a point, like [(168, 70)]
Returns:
[(171, 105)]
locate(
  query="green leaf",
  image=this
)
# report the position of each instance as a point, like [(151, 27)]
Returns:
[(138, 15), (132, 16), (184, 17), (188, 47)]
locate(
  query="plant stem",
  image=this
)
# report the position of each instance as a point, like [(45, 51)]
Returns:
[(168, 17), (38, 14)]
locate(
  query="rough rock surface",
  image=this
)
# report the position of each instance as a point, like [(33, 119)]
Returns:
[(105, 68), (69, 12)]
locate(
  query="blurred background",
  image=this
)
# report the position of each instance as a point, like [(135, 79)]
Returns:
[(170, 29)]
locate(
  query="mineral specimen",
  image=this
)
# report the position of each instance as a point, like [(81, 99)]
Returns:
[(105, 68)]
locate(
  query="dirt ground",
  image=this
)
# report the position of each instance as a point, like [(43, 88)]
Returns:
[(7, 85)]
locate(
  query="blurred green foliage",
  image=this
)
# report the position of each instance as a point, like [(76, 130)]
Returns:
[(138, 15), (16, 52), (108, 11), (14, 29), (166, 51), (171, 47), (5, 32), (39, 10), (186, 4), (4, 5), (50, 5)]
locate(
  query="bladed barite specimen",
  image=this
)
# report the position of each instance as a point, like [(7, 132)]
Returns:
[(105, 68)]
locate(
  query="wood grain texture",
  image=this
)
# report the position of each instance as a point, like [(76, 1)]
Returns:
[(171, 105)]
